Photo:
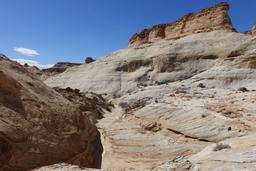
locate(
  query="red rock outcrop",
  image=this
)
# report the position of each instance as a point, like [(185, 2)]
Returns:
[(209, 19)]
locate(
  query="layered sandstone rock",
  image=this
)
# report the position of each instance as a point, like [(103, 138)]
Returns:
[(164, 61), (38, 126), (179, 104), (209, 19), (233, 154), (176, 104), (183, 92)]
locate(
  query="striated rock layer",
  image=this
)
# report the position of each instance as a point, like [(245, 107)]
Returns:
[(209, 19), (211, 56), (189, 93), (38, 126)]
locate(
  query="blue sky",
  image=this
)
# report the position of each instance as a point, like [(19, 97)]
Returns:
[(70, 30)]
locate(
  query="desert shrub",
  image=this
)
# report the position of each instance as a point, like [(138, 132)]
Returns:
[(201, 85), (235, 53), (243, 89), (221, 146), (204, 115)]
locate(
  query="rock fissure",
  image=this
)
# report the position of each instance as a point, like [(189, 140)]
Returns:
[(187, 136)]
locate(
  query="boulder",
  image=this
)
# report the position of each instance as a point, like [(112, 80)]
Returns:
[(89, 60), (38, 126)]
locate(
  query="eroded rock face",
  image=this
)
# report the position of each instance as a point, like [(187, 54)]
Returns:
[(209, 19), (93, 105), (38, 126)]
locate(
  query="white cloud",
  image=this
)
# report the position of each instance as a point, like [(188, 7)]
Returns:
[(33, 63), (26, 52)]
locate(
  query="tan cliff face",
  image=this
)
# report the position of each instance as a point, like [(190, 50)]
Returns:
[(209, 19)]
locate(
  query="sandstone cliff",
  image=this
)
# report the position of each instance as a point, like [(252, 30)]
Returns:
[(39, 127), (209, 19)]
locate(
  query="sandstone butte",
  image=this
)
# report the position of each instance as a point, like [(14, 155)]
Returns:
[(209, 19), (180, 98)]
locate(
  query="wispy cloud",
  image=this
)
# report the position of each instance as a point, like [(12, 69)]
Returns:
[(33, 63), (26, 51)]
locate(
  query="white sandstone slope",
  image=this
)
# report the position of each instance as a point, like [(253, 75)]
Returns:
[(184, 104), (201, 55), (172, 99)]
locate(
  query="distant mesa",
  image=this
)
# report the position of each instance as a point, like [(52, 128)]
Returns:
[(58, 68), (209, 19), (61, 67)]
